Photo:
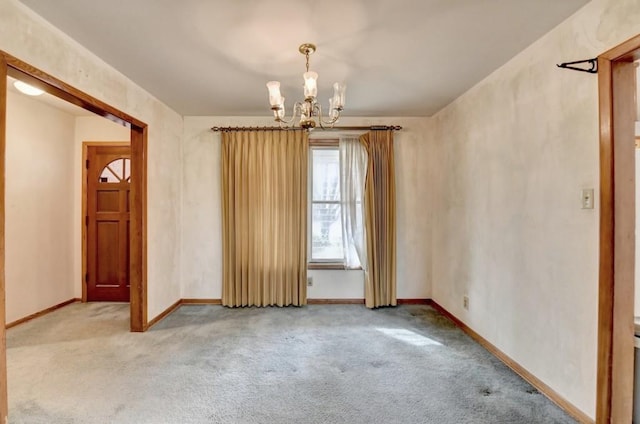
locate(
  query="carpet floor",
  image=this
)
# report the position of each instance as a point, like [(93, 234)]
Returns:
[(210, 364)]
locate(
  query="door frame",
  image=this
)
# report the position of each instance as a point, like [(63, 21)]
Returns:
[(614, 402), (85, 157), (12, 66)]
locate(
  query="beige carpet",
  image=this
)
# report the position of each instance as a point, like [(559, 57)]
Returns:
[(209, 364)]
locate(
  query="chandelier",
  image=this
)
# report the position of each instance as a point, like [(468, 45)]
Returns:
[(307, 110)]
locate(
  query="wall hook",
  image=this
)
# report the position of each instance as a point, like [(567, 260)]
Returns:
[(593, 63)]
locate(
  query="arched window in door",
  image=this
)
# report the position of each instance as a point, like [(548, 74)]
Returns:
[(116, 171)]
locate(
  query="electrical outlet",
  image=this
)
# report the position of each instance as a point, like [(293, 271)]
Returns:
[(309, 281), (465, 302)]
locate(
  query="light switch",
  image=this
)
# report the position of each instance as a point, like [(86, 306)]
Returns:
[(587, 198)]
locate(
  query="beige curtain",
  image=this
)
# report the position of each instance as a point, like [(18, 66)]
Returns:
[(380, 219), (264, 201)]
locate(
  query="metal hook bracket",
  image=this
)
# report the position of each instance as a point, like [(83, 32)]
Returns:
[(593, 65)]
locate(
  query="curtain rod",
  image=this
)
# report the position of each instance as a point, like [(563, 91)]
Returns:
[(369, 128)]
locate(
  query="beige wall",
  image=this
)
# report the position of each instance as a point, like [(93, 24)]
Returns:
[(201, 236), (28, 37), (39, 198), (512, 156)]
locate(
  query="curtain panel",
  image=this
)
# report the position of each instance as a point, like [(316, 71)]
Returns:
[(380, 219), (353, 168), (264, 201)]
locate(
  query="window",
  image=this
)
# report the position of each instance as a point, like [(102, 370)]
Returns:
[(117, 171), (326, 245), (327, 248)]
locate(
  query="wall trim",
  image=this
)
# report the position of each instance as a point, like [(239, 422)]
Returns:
[(517, 368), (42, 312), (201, 302), (356, 301), (418, 301), (171, 309), (164, 314)]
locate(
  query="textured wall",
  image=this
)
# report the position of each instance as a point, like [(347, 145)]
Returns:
[(202, 243), (28, 37), (513, 154), (39, 201)]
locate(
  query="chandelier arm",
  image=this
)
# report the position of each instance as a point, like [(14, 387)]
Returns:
[(331, 121), (319, 114), (296, 107), (285, 121)]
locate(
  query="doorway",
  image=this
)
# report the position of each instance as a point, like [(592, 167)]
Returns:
[(16, 68), (106, 187), (616, 81)]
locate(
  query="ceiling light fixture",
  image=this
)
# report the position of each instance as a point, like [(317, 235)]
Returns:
[(27, 89), (308, 109)]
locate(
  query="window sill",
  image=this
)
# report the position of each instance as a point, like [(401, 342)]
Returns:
[(330, 266)]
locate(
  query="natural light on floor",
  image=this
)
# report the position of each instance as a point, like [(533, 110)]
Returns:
[(408, 336)]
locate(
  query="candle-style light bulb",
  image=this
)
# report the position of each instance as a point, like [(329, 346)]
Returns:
[(338, 95), (275, 98), (310, 84)]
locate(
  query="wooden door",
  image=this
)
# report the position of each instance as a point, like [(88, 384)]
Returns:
[(107, 221)]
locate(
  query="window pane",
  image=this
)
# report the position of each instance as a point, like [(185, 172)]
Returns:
[(326, 174), (116, 171), (326, 241)]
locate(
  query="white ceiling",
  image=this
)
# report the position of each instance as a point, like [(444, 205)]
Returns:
[(398, 57)]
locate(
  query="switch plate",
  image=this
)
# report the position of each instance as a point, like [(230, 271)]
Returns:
[(587, 198)]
